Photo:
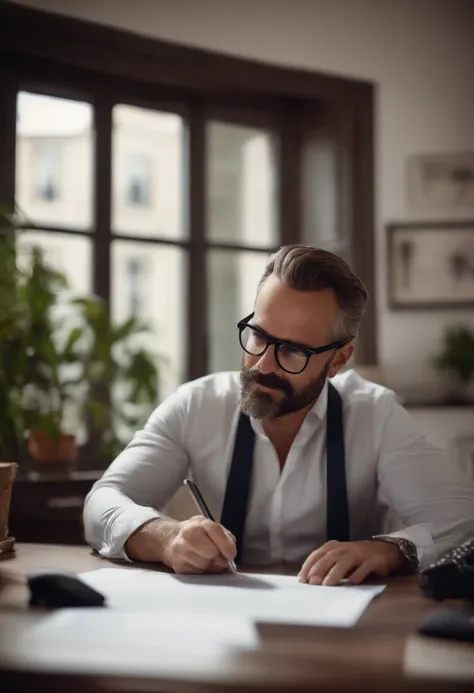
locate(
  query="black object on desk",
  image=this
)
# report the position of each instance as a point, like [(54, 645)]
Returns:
[(452, 577), (450, 623), (61, 589)]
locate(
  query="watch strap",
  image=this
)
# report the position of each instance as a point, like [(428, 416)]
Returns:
[(406, 547)]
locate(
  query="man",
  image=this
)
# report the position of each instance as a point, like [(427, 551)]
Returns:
[(299, 461)]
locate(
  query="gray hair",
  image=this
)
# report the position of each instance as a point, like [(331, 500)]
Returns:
[(305, 268)]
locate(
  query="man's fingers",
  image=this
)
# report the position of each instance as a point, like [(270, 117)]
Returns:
[(195, 537), (314, 557), (361, 573), (320, 569), (202, 545), (221, 538), (190, 555), (182, 567), (189, 561), (308, 564), (339, 570), (219, 565)]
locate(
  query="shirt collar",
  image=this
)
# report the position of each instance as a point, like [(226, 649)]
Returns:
[(320, 407)]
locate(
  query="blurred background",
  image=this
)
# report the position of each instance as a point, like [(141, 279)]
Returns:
[(156, 180)]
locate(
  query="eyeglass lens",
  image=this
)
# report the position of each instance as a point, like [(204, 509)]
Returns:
[(290, 358)]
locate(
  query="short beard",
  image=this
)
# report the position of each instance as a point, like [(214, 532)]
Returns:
[(261, 405)]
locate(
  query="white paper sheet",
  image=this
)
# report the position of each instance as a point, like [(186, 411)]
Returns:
[(257, 598), (155, 622), (116, 642)]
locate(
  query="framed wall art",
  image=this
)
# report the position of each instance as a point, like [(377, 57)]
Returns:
[(440, 182), (431, 265)]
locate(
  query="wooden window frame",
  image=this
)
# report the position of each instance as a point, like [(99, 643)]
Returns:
[(109, 66)]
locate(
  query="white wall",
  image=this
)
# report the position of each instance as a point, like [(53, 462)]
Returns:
[(420, 54)]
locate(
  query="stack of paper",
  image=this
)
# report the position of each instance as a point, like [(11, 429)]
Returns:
[(155, 622), (258, 598)]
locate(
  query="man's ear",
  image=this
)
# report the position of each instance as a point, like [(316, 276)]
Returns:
[(339, 360)]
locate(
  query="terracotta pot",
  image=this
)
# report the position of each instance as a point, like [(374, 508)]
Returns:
[(8, 471), (46, 451)]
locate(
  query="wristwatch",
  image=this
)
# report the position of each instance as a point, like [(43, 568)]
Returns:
[(406, 547)]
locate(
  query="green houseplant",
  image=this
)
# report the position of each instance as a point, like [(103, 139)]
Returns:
[(49, 349), (59, 354), (36, 346), (12, 328), (121, 376), (457, 360)]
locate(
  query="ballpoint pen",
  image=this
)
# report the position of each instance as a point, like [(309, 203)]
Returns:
[(201, 503)]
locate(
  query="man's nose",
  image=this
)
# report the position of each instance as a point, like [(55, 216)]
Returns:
[(267, 362)]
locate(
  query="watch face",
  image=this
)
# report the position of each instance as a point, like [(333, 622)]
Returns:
[(408, 550)]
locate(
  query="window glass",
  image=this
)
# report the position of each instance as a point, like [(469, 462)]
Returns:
[(54, 161), (148, 177), (241, 185)]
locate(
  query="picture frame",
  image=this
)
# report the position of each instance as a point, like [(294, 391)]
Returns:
[(440, 182), (430, 265)]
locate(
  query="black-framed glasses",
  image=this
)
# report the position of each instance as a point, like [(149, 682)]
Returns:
[(291, 357)]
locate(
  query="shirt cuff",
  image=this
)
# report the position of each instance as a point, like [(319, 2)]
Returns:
[(122, 527), (421, 538)]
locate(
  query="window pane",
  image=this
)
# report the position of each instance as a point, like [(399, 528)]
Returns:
[(241, 185), (233, 281), (66, 253), (147, 173), (320, 193), (54, 153), (147, 282)]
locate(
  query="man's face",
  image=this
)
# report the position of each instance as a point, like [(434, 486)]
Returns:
[(305, 318)]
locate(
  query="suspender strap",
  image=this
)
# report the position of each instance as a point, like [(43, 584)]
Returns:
[(337, 512), (234, 511)]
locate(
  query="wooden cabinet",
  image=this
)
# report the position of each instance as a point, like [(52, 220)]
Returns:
[(48, 509)]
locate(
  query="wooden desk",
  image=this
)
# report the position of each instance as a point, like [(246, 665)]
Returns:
[(368, 657)]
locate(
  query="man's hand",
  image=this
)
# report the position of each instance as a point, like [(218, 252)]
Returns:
[(352, 560), (199, 546)]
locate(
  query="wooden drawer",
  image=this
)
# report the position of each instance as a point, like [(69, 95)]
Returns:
[(50, 510)]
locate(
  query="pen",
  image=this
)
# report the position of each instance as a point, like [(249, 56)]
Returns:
[(201, 503)]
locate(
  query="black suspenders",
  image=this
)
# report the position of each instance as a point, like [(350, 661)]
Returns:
[(234, 511)]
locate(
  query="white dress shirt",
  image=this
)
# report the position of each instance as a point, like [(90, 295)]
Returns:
[(390, 466)]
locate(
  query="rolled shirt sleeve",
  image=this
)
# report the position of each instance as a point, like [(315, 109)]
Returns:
[(428, 493), (140, 481)]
